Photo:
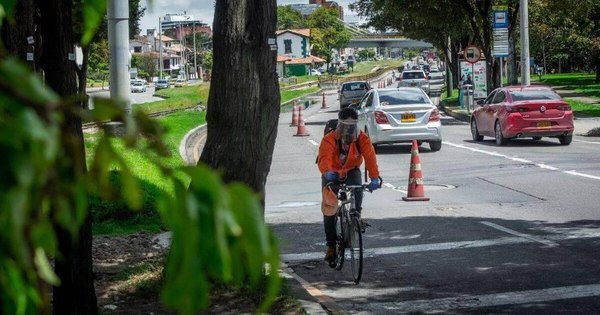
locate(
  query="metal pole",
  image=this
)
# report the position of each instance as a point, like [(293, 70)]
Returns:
[(118, 39), (161, 47), (525, 76), (544, 55), (195, 64)]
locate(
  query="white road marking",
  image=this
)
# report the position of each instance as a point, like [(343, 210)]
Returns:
[(313, 142), (591, 142), (520, 160), (491, 300), (373, 252), (388, 185), (523, 235)]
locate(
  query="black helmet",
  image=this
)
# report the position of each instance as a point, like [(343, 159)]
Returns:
[(347, 112)]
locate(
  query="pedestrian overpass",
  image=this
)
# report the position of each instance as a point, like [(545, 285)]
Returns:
[(361, 38)]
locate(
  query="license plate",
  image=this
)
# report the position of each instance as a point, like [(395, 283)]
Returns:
[(543, 124), (408, 117)]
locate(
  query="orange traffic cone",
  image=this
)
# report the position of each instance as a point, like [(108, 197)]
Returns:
[(301, 131), (416, 190), (324, 105), (294, 115)]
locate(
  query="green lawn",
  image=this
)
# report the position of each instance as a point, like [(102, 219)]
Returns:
[(580, 82), (180, 97), (292, 94), (114, 217), (365, 67), (583, 108)]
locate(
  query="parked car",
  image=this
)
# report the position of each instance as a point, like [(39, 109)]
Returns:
[(315, 72), (180, 83), (399, 116), (352, 92), (517, 112), (161, 84), (414, 78), (138, 86)]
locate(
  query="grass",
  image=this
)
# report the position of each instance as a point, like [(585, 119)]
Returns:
[(582, 83), (292, 94), (113, 217), (175, 98), (365, 67), (584, 109), (144, 279)]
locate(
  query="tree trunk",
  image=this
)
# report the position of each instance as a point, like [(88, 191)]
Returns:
[(243, 109), (598, 70), (76, 293), (14, 35), (513, 73)]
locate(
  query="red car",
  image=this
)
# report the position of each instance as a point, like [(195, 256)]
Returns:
[(523, 111)]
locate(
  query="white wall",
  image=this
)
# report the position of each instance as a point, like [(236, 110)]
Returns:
[(296, 45)]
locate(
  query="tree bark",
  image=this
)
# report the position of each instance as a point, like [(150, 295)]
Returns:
[(14, 35), (76, 293), (597, 70), (244, 100)]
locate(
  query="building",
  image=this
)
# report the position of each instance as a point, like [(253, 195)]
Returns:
[(181, 25), (293, 50), (313, 5)]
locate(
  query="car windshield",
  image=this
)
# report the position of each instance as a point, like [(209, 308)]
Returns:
[(402, 97), (413, 75), (162, 81), (355, 86), (533, 95), (138, 83)]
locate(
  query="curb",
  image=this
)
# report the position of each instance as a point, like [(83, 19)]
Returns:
[(455, 115), (183, 145)]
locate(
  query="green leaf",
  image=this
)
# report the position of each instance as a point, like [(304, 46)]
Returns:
[(16, 75), (6, 8), (44, 269), (93, 12)]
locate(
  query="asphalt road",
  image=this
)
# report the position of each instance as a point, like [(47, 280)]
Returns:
[(509, 230)]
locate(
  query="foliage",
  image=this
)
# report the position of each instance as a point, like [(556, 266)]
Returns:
[(136, 13), (98, 60), (207, 59), (218, 230), (289, 18), (328, 32), (146, 62), (365, 54)]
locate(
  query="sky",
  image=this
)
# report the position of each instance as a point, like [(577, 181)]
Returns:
[(202, 10)]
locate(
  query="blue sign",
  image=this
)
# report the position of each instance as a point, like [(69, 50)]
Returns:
[(500, 19)]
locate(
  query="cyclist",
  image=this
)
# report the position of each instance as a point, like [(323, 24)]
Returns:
[(341, 154)]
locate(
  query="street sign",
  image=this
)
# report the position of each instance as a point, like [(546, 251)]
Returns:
[(472, 54), (500, 19), (500, 42)]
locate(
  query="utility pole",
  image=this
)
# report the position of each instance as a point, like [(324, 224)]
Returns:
[(118, 41), (160, 49), (525, 76)]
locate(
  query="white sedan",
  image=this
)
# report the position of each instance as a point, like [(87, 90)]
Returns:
[(138, 86), (399, 115)]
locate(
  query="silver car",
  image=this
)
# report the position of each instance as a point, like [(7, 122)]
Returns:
[(399, 116), (352, 92), (414, 78), (138, 86)]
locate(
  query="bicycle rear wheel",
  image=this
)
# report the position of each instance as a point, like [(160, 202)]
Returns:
[(356, 249), (340, 226)]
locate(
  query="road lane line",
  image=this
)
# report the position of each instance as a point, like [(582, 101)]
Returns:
[(591, 142), (519, 234), (388, 185), (313, 142), (573, 234), (575, 173), (490, 300), (516, 159)]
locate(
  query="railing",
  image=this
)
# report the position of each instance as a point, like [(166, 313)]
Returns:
[(337, 80)]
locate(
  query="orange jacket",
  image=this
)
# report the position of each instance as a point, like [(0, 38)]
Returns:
[(329, 156)]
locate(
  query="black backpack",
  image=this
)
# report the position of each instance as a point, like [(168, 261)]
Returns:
[(330, 126)]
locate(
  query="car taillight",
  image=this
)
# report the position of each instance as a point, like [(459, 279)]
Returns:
[(564, 107), (381, 118), (435, 115), (516, 109)]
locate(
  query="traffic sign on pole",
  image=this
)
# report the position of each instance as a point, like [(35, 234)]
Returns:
[(472, 53)]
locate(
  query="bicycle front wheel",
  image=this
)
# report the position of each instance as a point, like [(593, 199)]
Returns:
[(340, 225), (356, 249)]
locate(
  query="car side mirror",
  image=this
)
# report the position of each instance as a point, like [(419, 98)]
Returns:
[(480, 102)]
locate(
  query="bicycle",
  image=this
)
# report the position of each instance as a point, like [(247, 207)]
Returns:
[(349, 229)]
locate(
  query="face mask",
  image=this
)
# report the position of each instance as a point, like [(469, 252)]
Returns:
[(347, 130)]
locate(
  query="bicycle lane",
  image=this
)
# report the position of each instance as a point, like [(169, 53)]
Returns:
[(417, 260)]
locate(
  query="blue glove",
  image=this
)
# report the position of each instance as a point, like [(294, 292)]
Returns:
[(331, 176), (374, 184)]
